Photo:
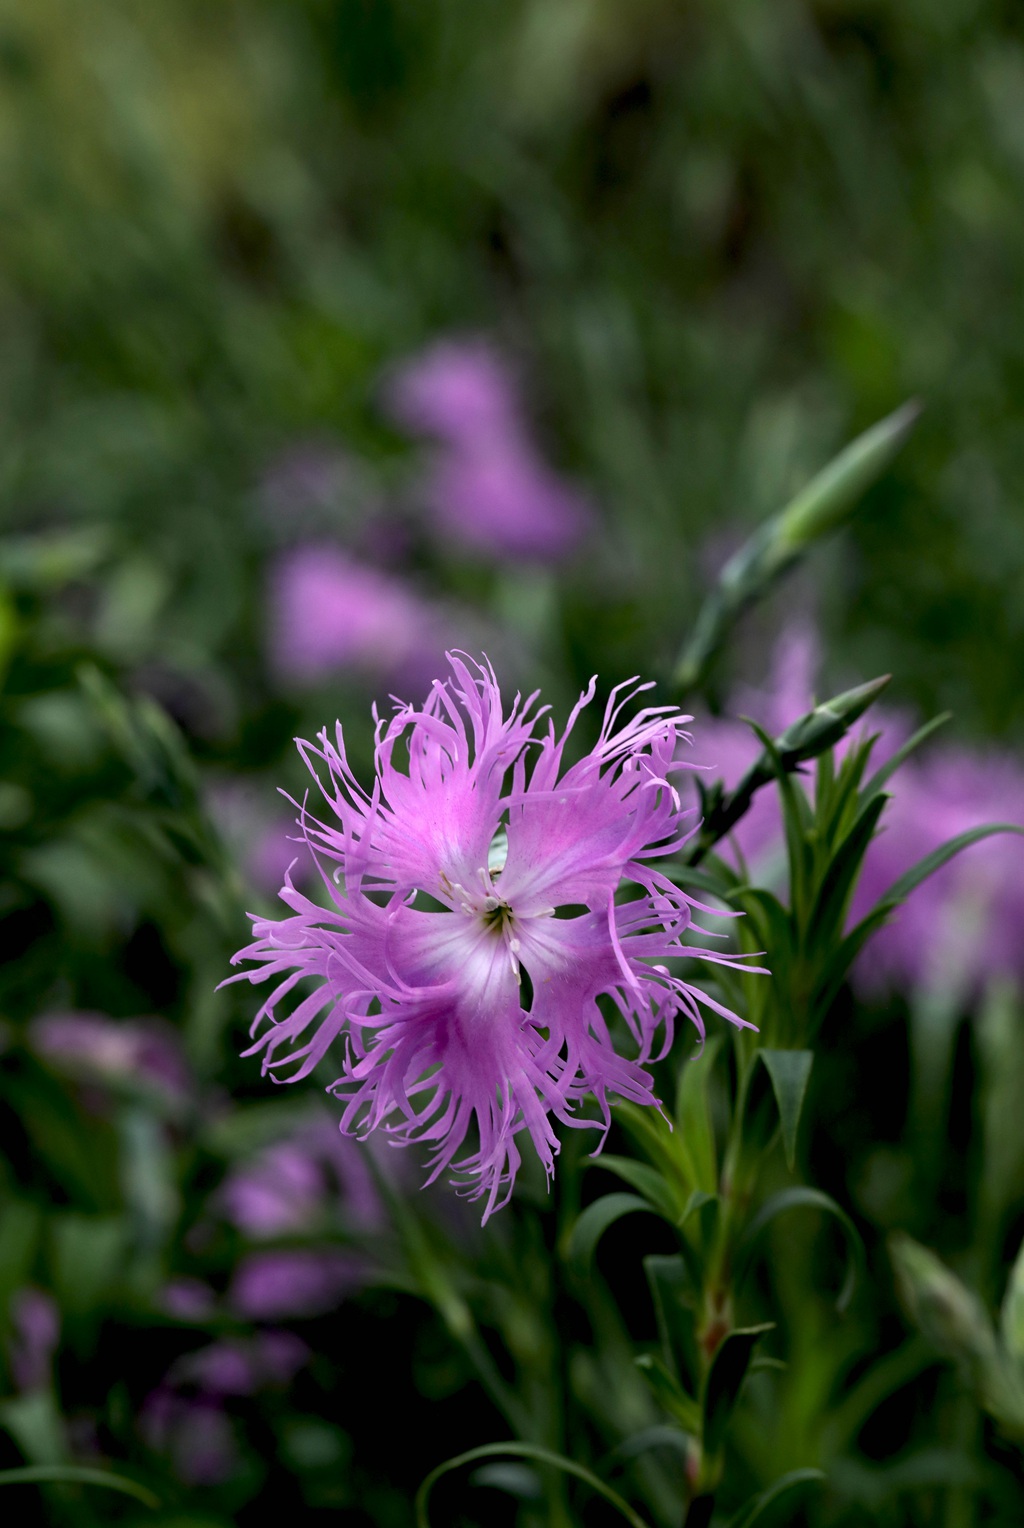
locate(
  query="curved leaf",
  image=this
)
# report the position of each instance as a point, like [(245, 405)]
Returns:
[(660, 1435), (760, 1509), (647, 1180), (900, 890), (798, 1198), (73, 1474), (594, 1222), (523, 1451)]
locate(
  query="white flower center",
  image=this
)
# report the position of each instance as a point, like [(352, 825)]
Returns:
[(490, 911)]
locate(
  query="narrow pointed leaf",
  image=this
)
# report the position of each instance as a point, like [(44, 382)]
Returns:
[(789, 1071), (830, 905), (763, 1510), (725, 1378), (900, 890), (675, 1298), (693, 1114), (881, 777), (670, 1393), (1011, 1316), (808, 1199)]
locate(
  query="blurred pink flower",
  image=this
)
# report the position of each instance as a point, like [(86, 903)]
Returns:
[(187, 1299), (98, 1049), (330, 613), (965, 924), (261, 839), (457, 391), (271, 1286), (195, 1432), (35, 1322), (291, 1186), (185, 1416), (486, 484), (240, 1366)]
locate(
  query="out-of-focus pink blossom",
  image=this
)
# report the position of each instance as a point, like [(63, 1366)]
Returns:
[(195, 1432), (98, 1049), (272, 1286), (293, 1185), (185, 1416), (964, 924), (187, 1299), (486, 484), (261, 838), (240, 1366), (329, 613), (35, 1321), (505, 503), (457, 391)]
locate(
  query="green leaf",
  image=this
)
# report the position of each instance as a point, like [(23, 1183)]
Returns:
[(804, 1198), (646, 1180), (789, 1071), (1011, 1317), (88, 1258), (881, 777), (764, 1508), (900, 890), (34, 1421), (725, 1377), (675, 1300), (844, 957), (833, 897), (73, 1474), (594, 1222), (797, 820), (523, 1451), (670, 1393), (693, 1114)]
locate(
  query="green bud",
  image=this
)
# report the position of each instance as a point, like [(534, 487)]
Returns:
[(818, 509), (805, 739), (949, 1314), (825, 502), (953, 1318)]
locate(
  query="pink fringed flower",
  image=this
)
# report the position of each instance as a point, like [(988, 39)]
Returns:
[(474, 927)]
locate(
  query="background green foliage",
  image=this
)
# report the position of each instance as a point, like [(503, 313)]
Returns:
[(719, 239)]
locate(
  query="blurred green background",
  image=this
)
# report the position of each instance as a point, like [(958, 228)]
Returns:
[(714, 241), (719, 240)]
